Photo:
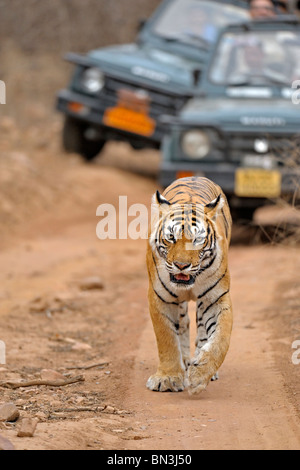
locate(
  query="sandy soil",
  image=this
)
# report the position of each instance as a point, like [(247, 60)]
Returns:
[(49, 321)]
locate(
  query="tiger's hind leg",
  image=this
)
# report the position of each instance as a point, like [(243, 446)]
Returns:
[(212, 343)]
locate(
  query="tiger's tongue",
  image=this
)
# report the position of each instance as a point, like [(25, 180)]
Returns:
[(182, 277)]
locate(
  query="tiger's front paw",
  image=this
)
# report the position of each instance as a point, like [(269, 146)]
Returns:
[(200, 373), (166, 383)]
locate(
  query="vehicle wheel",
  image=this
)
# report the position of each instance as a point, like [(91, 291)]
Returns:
[(242, 214), (74, 140)]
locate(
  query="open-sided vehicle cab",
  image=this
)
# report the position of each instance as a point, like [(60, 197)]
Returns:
[(242, 131), (119, 92)]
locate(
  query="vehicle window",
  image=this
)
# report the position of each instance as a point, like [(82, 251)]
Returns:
[(194, 21), (260, 57)]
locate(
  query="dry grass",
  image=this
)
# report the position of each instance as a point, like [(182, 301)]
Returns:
[(280, 224)]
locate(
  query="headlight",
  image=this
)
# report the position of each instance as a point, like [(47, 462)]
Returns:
[(93, 80), (195, 144)]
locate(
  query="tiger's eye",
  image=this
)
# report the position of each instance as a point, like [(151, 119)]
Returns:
[(162, 250), (199, 241)]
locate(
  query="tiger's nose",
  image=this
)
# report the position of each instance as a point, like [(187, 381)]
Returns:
[(181, 266)]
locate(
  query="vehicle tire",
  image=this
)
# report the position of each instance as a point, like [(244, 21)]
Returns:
[(74, 140), (243, 214)]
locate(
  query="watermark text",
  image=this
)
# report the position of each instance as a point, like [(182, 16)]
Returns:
[(296, 354), (115, 224), (135, 222), (2, 92), (2, 353)]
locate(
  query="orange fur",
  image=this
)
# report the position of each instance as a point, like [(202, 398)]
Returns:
[(187, 259)]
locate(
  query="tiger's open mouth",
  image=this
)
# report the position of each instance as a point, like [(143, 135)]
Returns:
[(180, 278)]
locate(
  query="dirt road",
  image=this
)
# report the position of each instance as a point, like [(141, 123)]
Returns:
[(50, 320)]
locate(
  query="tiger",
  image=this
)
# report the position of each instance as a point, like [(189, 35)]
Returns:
[(187, 260)]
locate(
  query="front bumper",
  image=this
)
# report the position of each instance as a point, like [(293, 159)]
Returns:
[(92, 110), (224, 174)]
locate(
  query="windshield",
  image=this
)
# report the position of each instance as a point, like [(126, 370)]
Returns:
[(257, 58), (195, 21)]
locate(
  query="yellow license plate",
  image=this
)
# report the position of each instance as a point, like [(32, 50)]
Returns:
[(129, 120), (255, 182)]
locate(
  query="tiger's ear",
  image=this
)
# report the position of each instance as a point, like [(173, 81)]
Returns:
[(159, 207), (212, 208), (160, 200)]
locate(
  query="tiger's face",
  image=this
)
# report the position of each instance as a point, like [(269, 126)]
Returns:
[(184, 240)]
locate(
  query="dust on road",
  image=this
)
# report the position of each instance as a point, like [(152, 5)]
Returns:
[(48, 321)]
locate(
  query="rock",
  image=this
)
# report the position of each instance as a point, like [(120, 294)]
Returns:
[(109, 409), (20, 402), (79, 400), (81, 347), (51, 375), (9, 412), (5, 444), (55, 403), (91, 283), (41, 416), (123, 412), (28, 427)]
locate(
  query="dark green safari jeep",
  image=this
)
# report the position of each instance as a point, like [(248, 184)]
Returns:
[(119, 92), (242, 130)]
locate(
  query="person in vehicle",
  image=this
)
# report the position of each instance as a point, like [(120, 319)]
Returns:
[(252, 65), (262, 9)]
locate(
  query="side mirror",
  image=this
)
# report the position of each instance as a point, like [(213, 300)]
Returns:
[(196, 76), (141, 24)]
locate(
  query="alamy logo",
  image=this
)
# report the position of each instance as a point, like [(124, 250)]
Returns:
[(2, 353), (133, 222), (2, 92)]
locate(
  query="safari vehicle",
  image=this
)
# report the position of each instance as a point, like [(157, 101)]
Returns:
[(242, 131), (119, 92)]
